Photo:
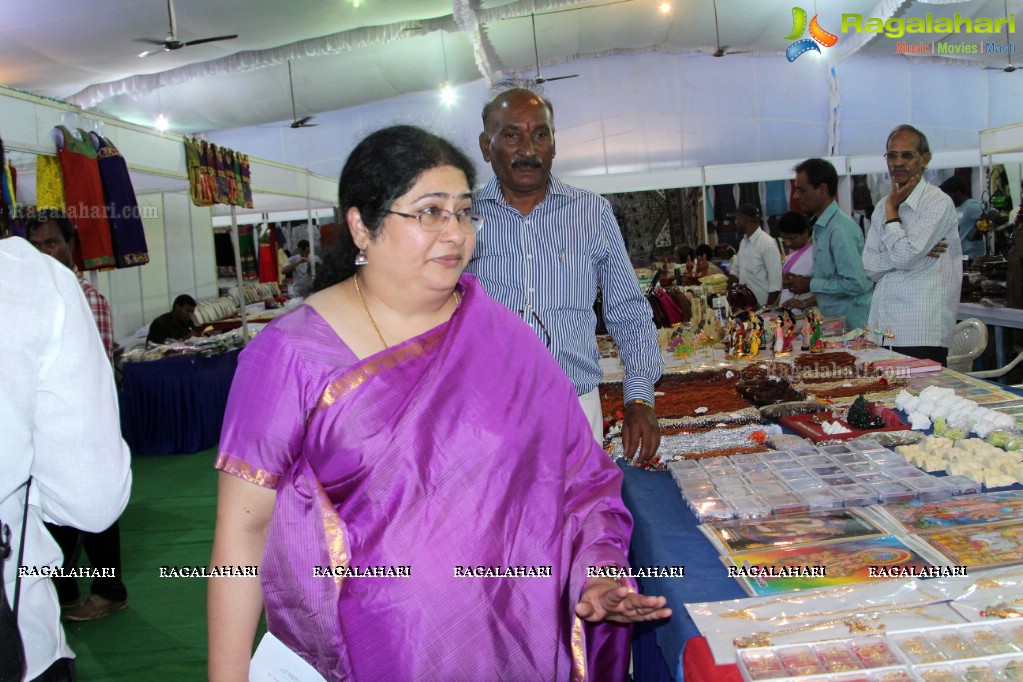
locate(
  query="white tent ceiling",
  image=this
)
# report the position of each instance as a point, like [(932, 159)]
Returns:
[(345, 55)]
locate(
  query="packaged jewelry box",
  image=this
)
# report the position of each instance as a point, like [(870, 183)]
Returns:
[(823, 660), (952, 653)]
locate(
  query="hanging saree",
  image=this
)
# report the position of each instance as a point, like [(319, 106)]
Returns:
[(49, 184), (126, 231), (243, 164), (428, 461), (86, 207), (247, 251)]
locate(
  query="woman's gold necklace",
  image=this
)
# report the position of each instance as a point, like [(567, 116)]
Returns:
[(369, 314), (358, 290)]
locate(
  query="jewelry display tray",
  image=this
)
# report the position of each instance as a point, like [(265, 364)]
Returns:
[(967, 651)]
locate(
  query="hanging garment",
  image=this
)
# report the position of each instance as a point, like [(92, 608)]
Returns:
[(233, 177), (724, 201), (10, 205), (193, 164), (216, 162), (49, 184), (776, 201), (86, 207), (269, 268), (247, 250), (749, 193), (243, 162), (207, 174), (126, 229)]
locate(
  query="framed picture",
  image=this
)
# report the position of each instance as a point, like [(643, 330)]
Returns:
[(787, 530)]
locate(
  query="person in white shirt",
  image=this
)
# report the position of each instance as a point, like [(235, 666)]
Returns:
[(918, 281), (60, 426), (758, 263), (300, 267)]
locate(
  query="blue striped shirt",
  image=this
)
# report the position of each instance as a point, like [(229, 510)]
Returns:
[(547, 266)]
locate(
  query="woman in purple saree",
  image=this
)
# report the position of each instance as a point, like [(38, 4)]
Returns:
[(411, 469)]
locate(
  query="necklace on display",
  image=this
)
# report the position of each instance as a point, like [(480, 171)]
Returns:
[(747, 613), (358, 290), (863, 621)]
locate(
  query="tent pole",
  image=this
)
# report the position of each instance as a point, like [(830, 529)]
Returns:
[(309, 223), (239, 274)]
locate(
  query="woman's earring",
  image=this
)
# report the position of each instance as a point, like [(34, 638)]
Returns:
[(360, 258)]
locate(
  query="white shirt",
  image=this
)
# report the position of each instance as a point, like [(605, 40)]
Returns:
[(758, 265), (59, 423), (916, 296), (801, 265)]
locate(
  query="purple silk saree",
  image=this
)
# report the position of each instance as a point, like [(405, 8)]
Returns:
[(463, 450)]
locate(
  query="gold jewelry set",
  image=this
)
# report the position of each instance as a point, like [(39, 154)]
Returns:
[(859, 620), (358, 290)]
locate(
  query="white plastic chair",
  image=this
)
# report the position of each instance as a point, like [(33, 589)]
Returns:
[(997, 373), (968, 341)]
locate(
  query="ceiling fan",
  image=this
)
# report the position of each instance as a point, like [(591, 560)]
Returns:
[(721, 51), (1009, 68), (536, 54), (171, 42), (297, 122)]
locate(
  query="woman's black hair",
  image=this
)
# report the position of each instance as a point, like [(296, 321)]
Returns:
[(382, 168), (793, 223)]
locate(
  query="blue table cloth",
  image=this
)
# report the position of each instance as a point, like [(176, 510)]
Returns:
[(175, 405)]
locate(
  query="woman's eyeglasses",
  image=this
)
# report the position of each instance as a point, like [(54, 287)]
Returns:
[(436, 219), (905, 156)]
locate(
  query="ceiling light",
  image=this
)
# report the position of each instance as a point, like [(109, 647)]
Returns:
[(447, 94), (162, 123), (665, 8)]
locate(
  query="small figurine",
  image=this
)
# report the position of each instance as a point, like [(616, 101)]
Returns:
[(817, 334), (789, 326), (807, 329), (754, 341), (779, 337)]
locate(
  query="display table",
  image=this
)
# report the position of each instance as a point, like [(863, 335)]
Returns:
[(997, 318), (665, 534), (175, 405)]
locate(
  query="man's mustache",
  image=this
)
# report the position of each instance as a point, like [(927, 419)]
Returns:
[(530, 162)]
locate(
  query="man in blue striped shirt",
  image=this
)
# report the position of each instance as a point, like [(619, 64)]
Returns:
[(544, 249)]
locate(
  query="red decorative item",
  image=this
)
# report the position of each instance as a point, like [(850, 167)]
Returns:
[(808, 425)]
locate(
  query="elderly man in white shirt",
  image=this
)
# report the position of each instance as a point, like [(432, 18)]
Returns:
[(60, 426), (758, 263), (913, 253)]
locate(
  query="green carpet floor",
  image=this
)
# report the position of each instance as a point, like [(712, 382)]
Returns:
[(162, 634)]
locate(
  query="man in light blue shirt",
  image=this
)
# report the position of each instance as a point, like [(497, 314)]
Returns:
[(968, 212), (544, 249), (839, 282)]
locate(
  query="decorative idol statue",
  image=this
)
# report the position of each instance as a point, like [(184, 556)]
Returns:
[(779, 337), (817, 333), (807, 328), (789, 331)]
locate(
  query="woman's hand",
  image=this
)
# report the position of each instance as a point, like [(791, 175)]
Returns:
[(607, 599)]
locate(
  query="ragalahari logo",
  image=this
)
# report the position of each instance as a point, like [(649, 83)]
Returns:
[(818, 35)]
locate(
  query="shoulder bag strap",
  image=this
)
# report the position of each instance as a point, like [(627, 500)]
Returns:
[(21, 551)]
